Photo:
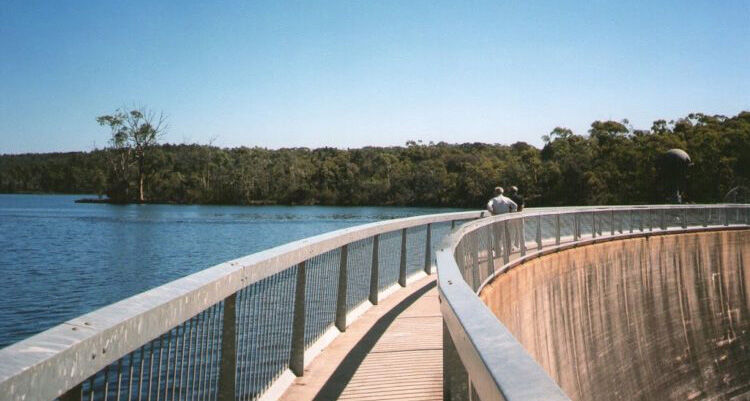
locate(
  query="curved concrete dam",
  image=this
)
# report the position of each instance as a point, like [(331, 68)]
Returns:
[(664, 317)]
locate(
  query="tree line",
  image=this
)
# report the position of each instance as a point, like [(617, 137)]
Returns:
[(611, 164)]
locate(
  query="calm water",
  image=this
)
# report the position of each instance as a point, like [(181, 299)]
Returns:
[(60, 259)]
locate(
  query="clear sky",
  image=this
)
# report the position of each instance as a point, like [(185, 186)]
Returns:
[(357, 73)]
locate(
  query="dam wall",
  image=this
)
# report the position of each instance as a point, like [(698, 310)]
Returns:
[(661, 317)]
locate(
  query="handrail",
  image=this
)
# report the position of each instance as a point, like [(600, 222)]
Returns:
[(492, 364), (78, 356)]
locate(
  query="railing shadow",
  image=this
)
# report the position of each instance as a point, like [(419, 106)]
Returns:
[(343, 374)]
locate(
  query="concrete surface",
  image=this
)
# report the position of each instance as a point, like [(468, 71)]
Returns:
[(392, 352), (653, 318)]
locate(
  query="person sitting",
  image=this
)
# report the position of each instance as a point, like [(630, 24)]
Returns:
[(516, 197), (501, 204)]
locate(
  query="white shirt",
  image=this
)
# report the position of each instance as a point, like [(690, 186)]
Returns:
[(501, 204)]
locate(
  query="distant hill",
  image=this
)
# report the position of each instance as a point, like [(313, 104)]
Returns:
[(612, 164)]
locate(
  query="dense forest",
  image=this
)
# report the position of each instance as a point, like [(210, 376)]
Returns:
[(612, 164)]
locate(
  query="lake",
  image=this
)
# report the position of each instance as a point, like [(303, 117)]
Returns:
[(60, 259)]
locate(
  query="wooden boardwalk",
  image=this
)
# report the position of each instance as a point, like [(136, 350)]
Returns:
[(393, 352)]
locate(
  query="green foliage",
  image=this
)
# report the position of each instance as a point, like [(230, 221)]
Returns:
[(613, 164), (132, 134)]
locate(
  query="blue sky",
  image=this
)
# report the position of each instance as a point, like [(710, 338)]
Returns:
[(355, 73)]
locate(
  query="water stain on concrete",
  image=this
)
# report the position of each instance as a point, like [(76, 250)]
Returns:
[(651, 318)]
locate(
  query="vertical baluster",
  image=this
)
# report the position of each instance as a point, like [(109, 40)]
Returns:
[(217, 354), (663, 219), (650, 220), (158, 374), (631, 220), (706, 216), (119, 379), (206, 380), (612, 221), (521, 234), (506, 235), (106, 382), (539, 233), (576, 231), (640, 219), (193, 358), (557, 229), (169, 356), (203, 355), (402, 268), (150, 371), (428, 251), (737, 215), (253, 336), (454, 373), (140, 373), (684, 218), (490, 251), (593, 224), (91, 388), (297, 354), (726, 216), (228, 366), (341, 294), (244, 307), (375, 270), (179, 349), (475, 279)]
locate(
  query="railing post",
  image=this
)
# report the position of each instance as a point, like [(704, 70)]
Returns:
[(228, 367), (640, 220), (521, 234), (593, 224), (631, 225), (453, 224), (706, 216), (539, 233), (726, 216), (576, 232), (490, 251), (73, 394), (612, 220), (428, 250), (375, 270), (497, 228), (737, 215), (557, 229), (297, 354), (455, 378), (684, 218), (402, 267), (476, 280), (663, 219), (506, 251), (341, 294)]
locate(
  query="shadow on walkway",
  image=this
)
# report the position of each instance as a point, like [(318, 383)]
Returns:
[(338, 381)]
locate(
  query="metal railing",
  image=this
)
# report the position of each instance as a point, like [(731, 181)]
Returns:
[(482, 359), (240, 330)]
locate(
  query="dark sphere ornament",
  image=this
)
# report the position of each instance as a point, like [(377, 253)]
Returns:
[(677, 158), (674, 166)]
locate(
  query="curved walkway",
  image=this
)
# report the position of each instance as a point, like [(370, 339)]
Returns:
[(392, 352)]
